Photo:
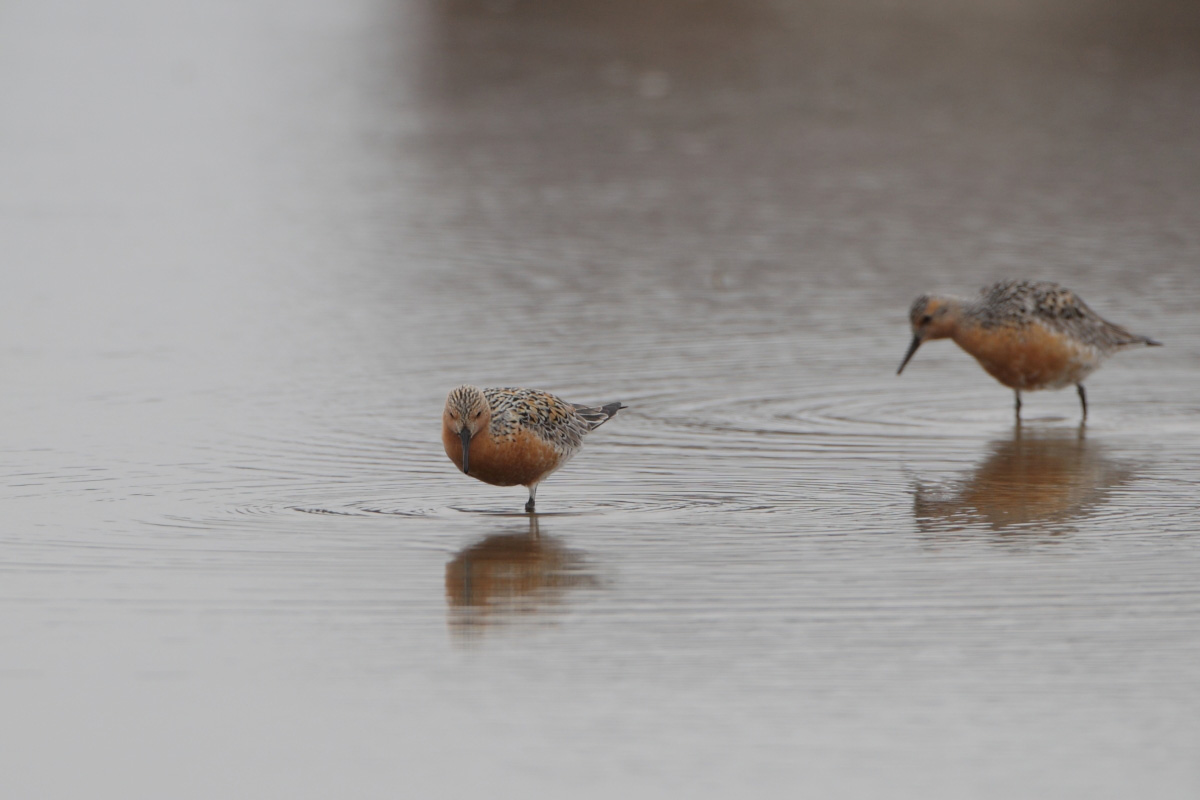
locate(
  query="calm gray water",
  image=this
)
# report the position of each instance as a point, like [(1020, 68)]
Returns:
[(248, 248)]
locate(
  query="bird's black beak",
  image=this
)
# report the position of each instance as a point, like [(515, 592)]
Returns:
[(912, 348), (465, 433)]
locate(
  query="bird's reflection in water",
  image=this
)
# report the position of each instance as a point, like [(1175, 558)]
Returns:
[(1035, 481), (511, 576)]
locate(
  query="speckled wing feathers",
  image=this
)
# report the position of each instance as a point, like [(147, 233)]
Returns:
[(1016, 303), (560, 424)]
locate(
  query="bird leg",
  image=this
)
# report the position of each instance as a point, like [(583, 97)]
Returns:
[(1082, 398), (1017, 393), (532, 492)]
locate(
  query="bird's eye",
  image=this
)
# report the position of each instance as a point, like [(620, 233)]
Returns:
[(925, 320), (478, 414)]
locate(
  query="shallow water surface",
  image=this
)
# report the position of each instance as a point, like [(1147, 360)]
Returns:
[(250, 247)]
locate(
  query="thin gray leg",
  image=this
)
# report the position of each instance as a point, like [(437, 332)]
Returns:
[(1082, 398), (1017, 394), (532, 492)]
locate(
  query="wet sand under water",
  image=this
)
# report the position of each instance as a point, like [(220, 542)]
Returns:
[(248, 248)]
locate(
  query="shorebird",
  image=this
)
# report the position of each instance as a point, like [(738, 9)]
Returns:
[(1028, 335), (515, 437)]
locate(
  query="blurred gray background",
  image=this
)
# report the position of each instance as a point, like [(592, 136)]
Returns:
[(248, 248)]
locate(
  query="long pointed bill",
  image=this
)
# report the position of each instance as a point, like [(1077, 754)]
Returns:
[(465, 433), (912, 348)]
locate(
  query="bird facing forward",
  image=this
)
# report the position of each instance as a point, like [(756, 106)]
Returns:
[(515, 437)]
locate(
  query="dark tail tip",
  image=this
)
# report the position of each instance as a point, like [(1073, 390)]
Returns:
[(1152, 342), (612, 408)]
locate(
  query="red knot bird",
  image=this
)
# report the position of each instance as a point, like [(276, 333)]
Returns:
[(515, 437), (1028, 335)]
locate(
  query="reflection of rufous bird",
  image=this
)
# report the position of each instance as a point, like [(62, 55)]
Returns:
[(1032, 479), (512, 574), (515, 437), (1026, 335)]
